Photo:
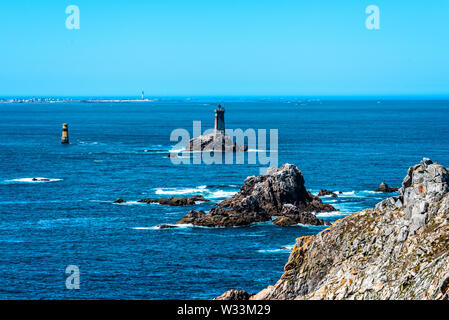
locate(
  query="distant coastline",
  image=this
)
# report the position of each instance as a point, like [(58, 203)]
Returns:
[(224, 99), (68, 100)]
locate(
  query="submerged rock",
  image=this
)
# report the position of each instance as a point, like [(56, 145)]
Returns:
[(175, 201), (400, 250), (280, 192), (383, 187)]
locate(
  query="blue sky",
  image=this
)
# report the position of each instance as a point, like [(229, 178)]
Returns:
[(224, 47)]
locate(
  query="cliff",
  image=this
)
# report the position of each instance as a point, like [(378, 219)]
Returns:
[(399, 250)]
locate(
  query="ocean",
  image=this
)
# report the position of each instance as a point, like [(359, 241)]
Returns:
[(120, 150)]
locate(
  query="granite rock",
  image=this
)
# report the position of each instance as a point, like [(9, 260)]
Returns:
[(399, 250), (280, 192)]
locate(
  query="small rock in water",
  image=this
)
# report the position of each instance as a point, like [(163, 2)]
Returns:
[(166, 226), (119, 200), (327, 193), (176, 201), (40, 179), (383, 187)]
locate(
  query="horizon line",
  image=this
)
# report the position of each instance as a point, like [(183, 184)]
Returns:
[(227, 96)]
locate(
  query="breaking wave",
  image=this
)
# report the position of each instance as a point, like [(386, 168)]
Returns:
[(212, 194), (330, 214), (32, 180)]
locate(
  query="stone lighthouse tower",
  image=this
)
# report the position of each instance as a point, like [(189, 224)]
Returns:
[(219, 120)]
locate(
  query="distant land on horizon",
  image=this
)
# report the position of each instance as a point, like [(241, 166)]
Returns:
[(224, 98)]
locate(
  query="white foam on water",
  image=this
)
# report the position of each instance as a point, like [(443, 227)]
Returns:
[(131, 203), (287, 250), (90, 143), (207, 193), (219, 194), (179, 191), (32, 180), (178, 226), (175, 150)]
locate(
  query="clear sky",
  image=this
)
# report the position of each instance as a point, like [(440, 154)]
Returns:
[(224, 47)]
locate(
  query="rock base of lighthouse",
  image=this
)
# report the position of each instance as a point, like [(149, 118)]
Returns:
[(216, 141)]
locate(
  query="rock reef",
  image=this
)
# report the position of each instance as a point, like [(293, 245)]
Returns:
[(399, 250), (279, 193), (173, 201)]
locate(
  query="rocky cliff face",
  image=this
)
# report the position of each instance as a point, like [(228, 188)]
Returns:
[(399, 250), (280, 192)]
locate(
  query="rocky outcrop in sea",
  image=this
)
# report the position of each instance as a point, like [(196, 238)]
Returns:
[(279, 193), (399, 250), (216, 141), (383, 187)]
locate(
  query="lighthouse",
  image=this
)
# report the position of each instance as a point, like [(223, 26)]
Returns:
[(219, 120)]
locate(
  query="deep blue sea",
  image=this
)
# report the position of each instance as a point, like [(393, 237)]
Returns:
[(120, 150)]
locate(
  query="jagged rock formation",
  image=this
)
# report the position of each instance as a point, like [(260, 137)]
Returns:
[(383, 187), (216, 141), (400, 250), (280, 192)]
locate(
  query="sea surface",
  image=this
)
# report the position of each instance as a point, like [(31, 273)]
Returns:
[(120, 150)]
